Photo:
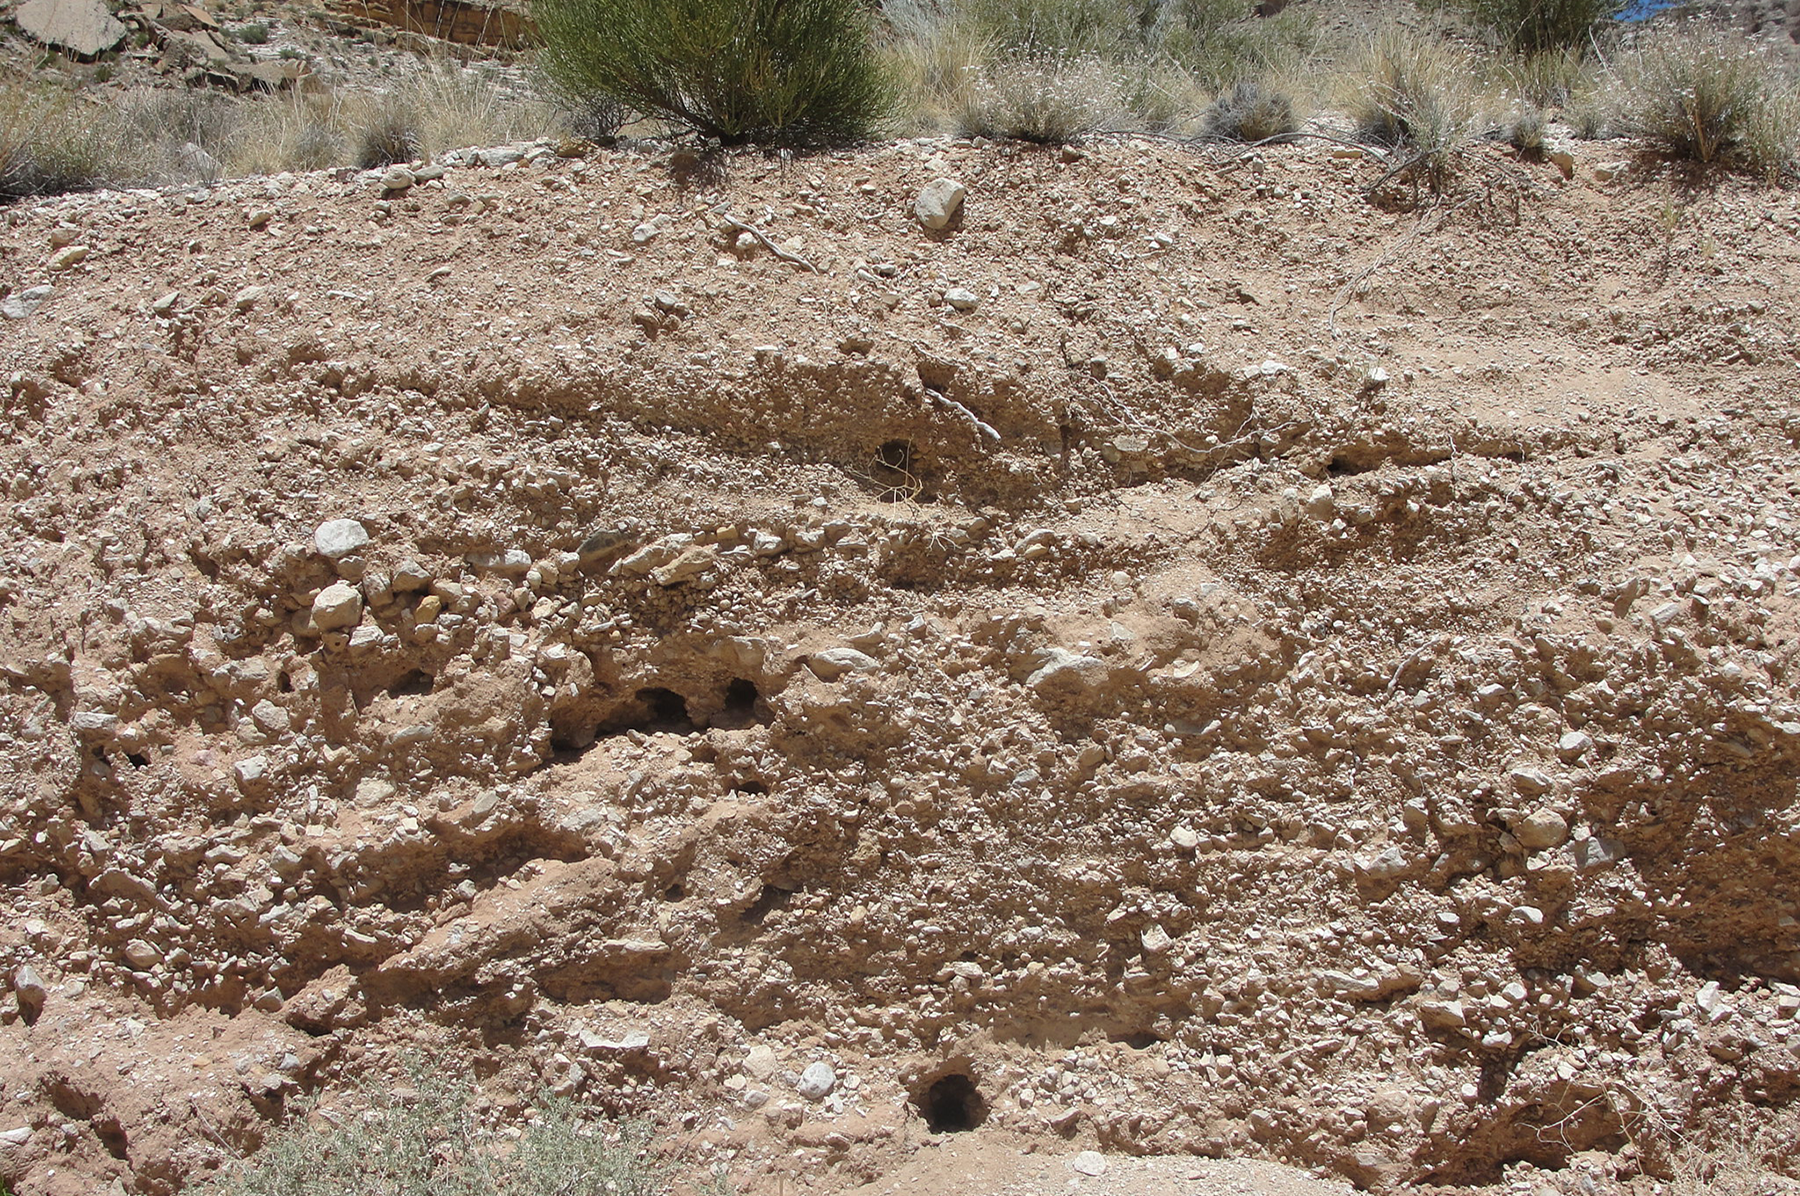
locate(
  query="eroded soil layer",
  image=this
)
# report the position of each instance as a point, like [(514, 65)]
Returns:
[(1184, 660)]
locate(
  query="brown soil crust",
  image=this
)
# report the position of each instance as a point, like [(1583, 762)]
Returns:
[(1223, 665)]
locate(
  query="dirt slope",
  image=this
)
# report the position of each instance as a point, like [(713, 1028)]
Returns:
[(1252, 672)]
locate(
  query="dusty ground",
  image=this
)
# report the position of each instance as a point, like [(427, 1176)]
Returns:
[(1260, 673)]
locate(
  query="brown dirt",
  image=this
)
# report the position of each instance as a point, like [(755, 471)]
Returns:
[(1236, 755)]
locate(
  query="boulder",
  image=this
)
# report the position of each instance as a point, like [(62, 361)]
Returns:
[(82, 27)]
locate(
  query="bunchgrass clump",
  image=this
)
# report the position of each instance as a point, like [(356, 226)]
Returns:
[(1709, 96), (1250, 111), (425, 1139), (1419, 96), (1046, 98), (765, 71)]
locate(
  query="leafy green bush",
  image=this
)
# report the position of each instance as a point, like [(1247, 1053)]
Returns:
[(428, 1141), (256, 33), (1534, 25), (767, 71), (1250, 111), (1709, 96)]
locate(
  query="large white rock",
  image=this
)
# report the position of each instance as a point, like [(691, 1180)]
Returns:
[(340, 538), (338, 606), (939, 203), (82, 27)]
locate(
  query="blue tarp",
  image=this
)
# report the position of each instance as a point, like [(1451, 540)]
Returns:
[(1643, 10)]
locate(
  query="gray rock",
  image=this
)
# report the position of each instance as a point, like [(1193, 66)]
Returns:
[(939, 203), (141, 955), (833, 663), (29, 988), (1531, 781), (1065, 670), (21, 304), (82, 27), (1598, 852), (1386, 865), (398, 178), (962, 299), (1573, 746), (1089, 1162), (15, 1137), (504, 155), (602, 546), (340, 537), (339, 605), (410, 577), (510, 562), (270, 718), (817, 1081)]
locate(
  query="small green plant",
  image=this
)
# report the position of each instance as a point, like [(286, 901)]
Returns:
[(256, 33), (390, 135), (1536, 25), (1250, 111), (427, 1140), (1417, 95), (743, 71)]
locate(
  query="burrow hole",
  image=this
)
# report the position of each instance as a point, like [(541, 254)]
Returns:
[(894, 471), (952, 1104), (665, 710)]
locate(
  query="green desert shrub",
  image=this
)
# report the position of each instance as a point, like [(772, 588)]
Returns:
[(1709, 96), (1250, 111), (53, 142), (766, 71), (425, 1140), (1536, 25)]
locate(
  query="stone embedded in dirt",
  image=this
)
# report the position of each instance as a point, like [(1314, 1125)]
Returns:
[(339, 605), (817, 1082), (70, 256), (761, 1062), (141, 955), (962, 299), (248, 298), (21, 304), (29, 989), (409, 577), (398, 178), (938, 204), (833, 663), (82, 27), (1185, 837), (340, 537), (1090, 1163), (508, 562), (1531, 782), (1573, 746), (1542, 829), (1062, 669)]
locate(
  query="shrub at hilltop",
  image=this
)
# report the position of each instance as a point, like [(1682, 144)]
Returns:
[(1535, 25), (783, 72)]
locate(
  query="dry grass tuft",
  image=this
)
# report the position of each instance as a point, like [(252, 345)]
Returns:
[(1710, 96)]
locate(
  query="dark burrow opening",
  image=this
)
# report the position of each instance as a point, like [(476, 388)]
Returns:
[(739, 705), (664, 710), (952, 1104), (894, 471)]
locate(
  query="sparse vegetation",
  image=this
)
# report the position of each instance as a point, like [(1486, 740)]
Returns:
[(1048, 98), (256, 33), (1418, 95), (1250, 111), (1533, 26), (765, 71), (426, 1140), (1709, 96)]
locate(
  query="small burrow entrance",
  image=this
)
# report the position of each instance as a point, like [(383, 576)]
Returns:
[(951, 1104)]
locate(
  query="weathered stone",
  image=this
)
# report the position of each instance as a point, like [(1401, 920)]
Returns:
[(938, 204), (82, 27), (340, 537), (339, 605), (833, 663), (1542, 829), (817, 1082)]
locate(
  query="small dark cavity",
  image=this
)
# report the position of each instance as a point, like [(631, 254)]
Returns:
[(1141, 1040), (674, 893), (1343, 467), (665, 710), (750, 787), (771, 898), (138, 759), (895, 471), (415, 684), (952, 1105)]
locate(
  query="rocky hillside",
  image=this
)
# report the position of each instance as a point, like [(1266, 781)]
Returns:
[(1166, 656)]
